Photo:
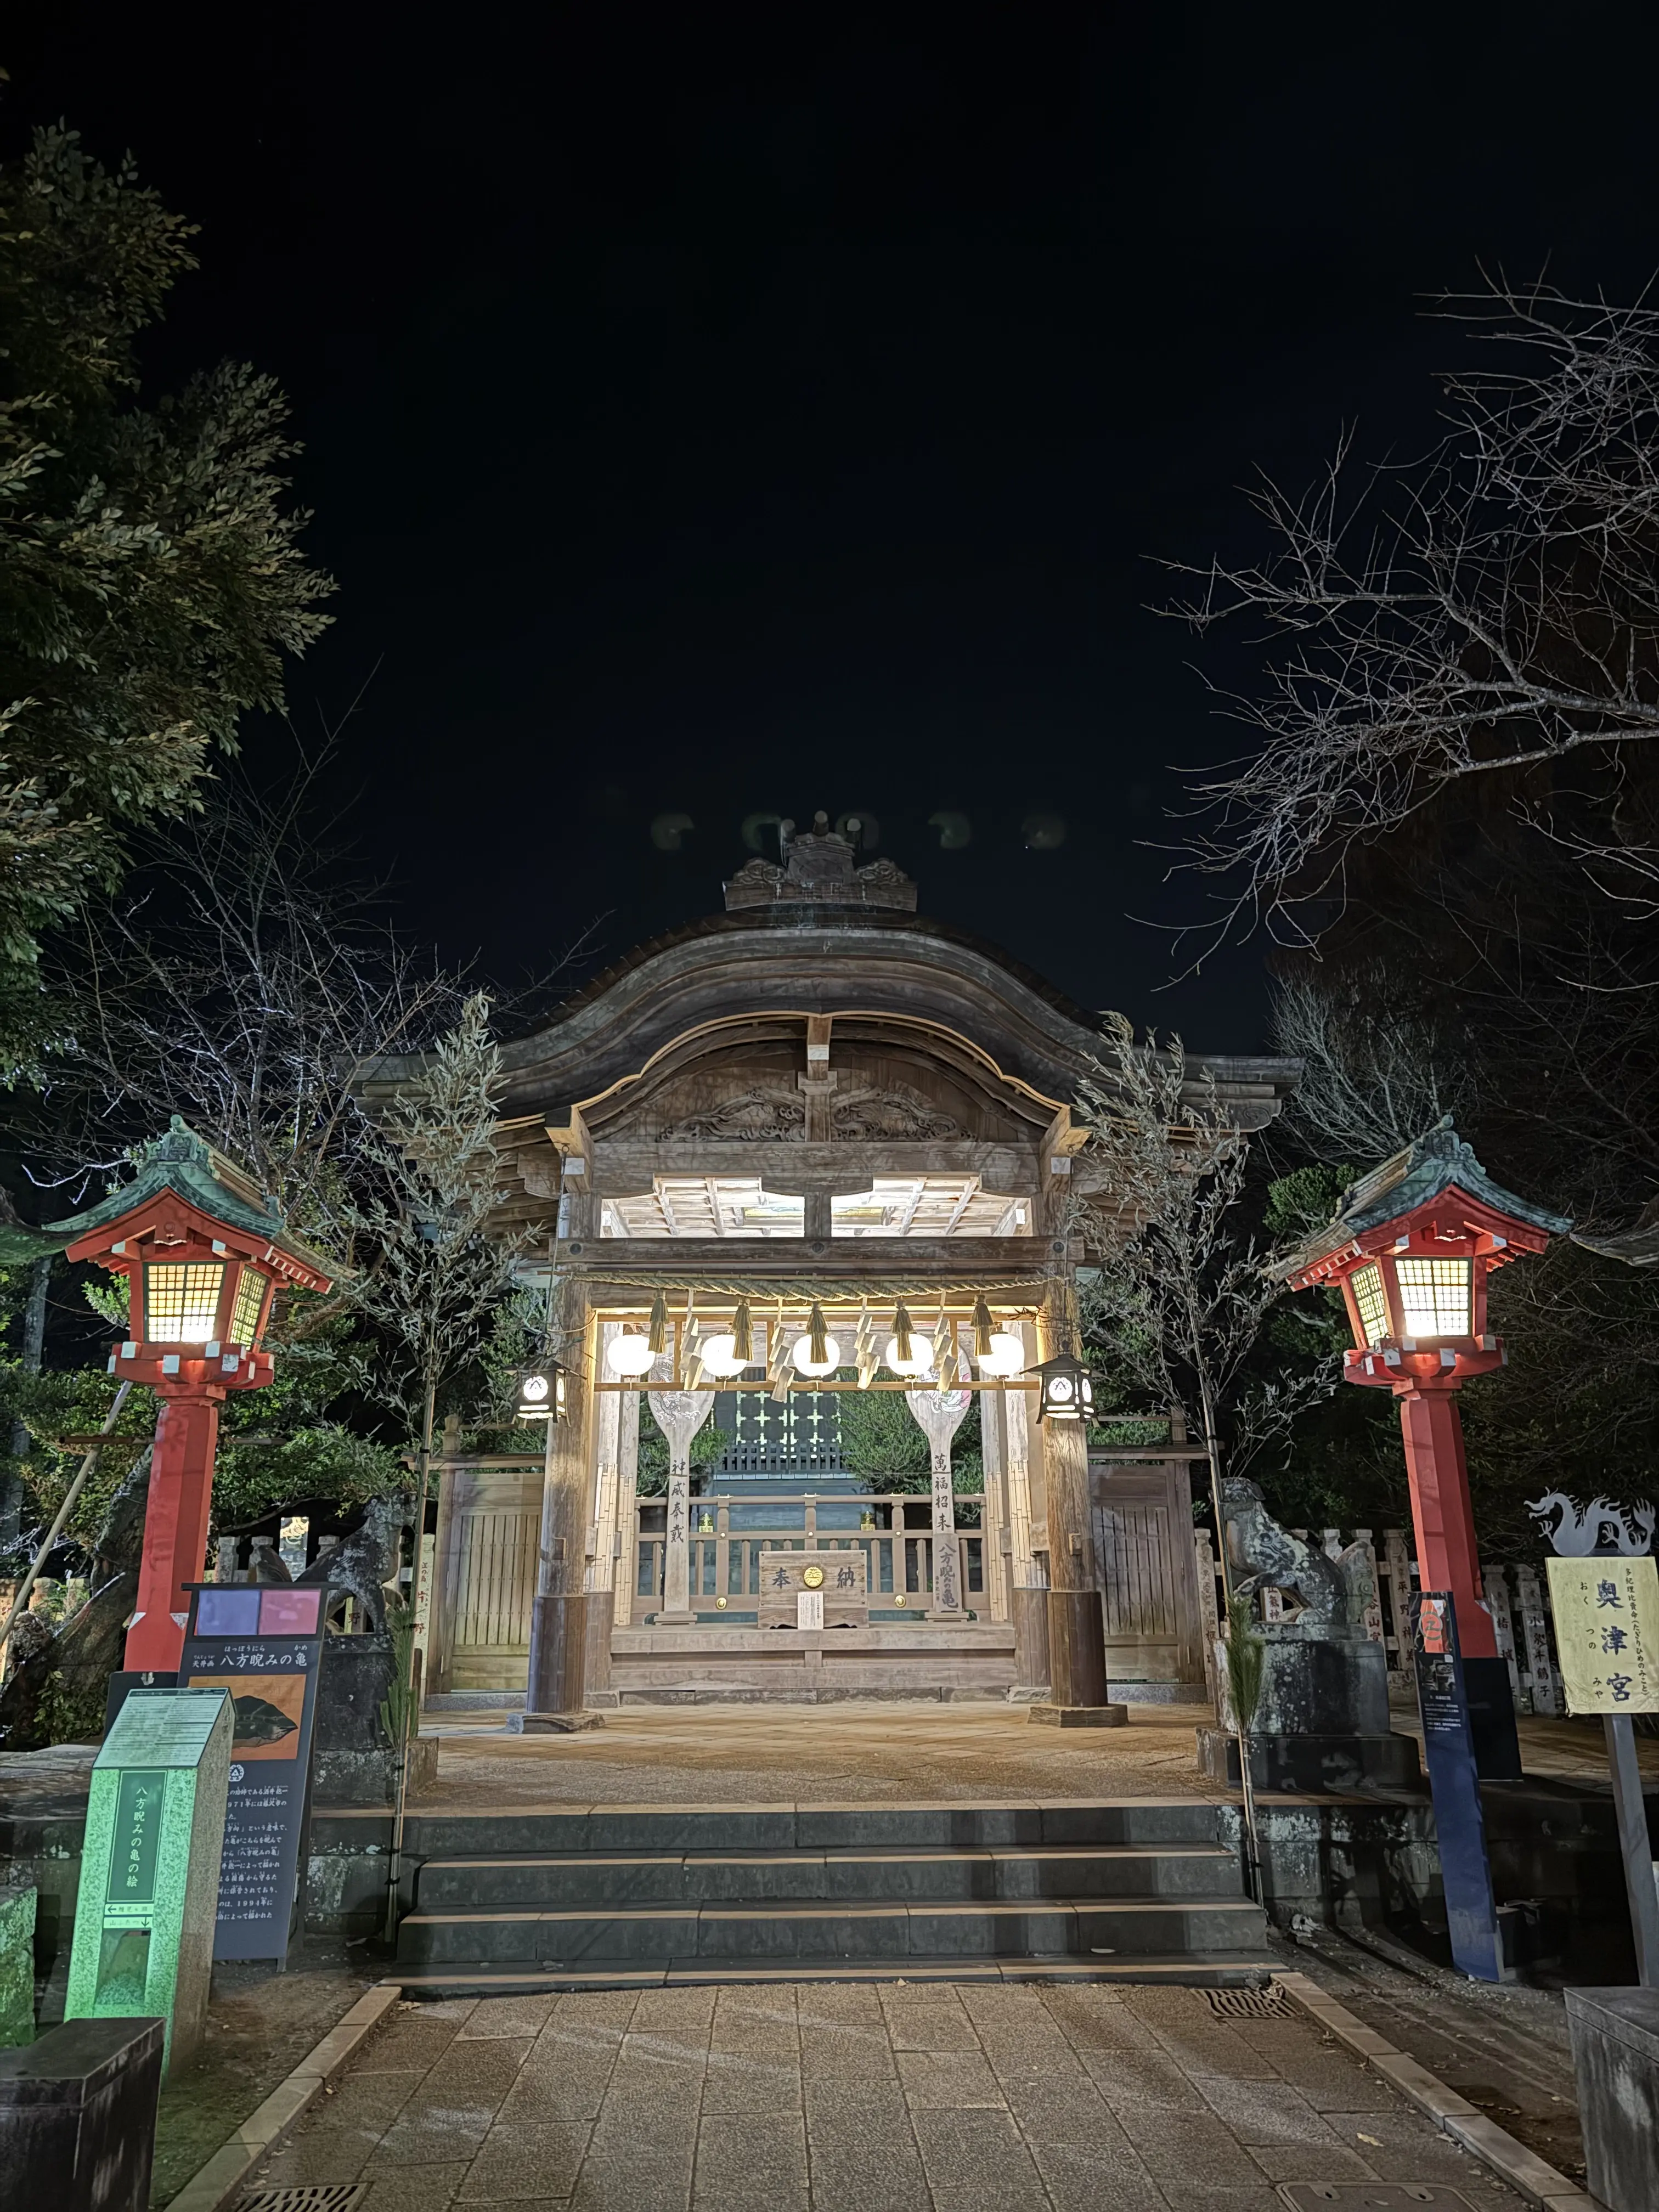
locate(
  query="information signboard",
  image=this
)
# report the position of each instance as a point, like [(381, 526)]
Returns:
[(149, 1869), (1459, 1825), (1607, 1631), (263, 1644)]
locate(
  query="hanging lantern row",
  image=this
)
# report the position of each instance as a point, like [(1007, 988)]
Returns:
[(909, 1351)]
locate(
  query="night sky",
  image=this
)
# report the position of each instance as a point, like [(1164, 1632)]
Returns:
[(717, 412)]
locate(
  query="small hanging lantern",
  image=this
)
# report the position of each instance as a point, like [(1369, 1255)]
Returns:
[(629, 1353), (1066, 1389), (544, 1392)]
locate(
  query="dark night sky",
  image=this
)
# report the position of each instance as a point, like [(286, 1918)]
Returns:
[(716, 411)]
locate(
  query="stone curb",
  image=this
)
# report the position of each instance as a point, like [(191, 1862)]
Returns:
[(1466, 2123), (218, 2182)]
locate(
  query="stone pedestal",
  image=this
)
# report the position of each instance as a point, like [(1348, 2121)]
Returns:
[(78, 2116), (17, 1903), (1615, 2054), (1322, 1721), (354, 1762)]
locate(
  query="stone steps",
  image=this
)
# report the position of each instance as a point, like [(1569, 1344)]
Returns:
[(566, 1880), (624, 1895), (1248, 1968)]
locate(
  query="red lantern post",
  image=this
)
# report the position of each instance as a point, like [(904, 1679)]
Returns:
[(203, 1252), (1411, 1249)]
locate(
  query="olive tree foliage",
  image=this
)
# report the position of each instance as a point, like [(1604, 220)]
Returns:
[(150, 574), (1490, 613), (432, 1275), (1176, 1295)]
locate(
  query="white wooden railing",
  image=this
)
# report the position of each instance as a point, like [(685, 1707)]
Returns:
[(892, 1529)]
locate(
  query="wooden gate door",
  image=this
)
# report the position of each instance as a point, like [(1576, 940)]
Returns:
[(487, 1555), (1143, 1517)]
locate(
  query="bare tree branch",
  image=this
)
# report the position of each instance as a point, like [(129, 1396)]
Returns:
[(1489, 612)]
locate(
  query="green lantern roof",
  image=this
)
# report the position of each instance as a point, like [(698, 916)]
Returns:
[(185, 1164), (1437, 1161)]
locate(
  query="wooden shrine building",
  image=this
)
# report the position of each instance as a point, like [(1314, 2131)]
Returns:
[(816, 1098)]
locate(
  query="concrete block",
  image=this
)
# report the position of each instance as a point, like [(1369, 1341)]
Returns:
[(77, 2115), (1615, 2051)]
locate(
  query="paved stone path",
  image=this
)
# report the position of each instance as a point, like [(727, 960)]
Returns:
[(859, 2097)]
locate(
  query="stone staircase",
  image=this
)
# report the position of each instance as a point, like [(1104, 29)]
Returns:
[(620, 1896)]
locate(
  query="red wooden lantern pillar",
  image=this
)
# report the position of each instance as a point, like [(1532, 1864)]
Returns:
[(203, 1252), (1411, 1249)]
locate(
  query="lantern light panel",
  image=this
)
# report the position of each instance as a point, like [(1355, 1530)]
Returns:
[(181, 1300)]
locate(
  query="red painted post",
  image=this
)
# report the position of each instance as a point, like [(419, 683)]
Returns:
[(175, 1530), (1442, 1513)]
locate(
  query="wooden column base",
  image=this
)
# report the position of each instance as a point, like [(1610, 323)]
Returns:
[(1080, 1715), (1077, 1648), (558, 1636)]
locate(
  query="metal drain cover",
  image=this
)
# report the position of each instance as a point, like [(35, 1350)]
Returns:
[(1248, 2005), (314, 2198), (1374, 2197)]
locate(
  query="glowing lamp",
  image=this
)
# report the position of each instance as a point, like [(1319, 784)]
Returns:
[(1411, 1249), (1066, 1389), (918, 1360), (721, 1355), (544, 1392), (1004, 1355), (801, 1356), (630, 1353), (202, 1250)]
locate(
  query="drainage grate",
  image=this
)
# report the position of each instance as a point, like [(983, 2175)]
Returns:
[(1374, 2197), (314, 2198), (1270, 2003)]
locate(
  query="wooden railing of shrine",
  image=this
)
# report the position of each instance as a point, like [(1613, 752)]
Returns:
[(891, 1529)]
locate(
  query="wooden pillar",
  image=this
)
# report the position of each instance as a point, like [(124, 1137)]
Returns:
[(1077, 1638), (556, 1687), (993, 1512), (1028, 1579), (601, 1573), (628, 1507)]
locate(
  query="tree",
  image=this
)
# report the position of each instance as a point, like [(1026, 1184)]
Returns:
[(886, 1448), (1489, 615), (1174, 1301), (243, 977), (150, 575), (433, 1273)]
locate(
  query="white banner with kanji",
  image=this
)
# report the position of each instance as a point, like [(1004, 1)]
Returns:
[(1606, 1632)]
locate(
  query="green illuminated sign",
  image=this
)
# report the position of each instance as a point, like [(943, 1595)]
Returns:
[(149, 1866)]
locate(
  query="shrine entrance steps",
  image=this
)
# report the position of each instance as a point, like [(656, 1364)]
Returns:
[(630, 1897)]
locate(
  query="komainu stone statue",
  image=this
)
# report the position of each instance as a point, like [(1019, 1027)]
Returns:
[(1265, 1556), (1323, 1720)]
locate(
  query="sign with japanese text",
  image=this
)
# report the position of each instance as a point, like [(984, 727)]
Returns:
[(263, 1644), (149, 1864), (1606, 1632), (1459, 1822)]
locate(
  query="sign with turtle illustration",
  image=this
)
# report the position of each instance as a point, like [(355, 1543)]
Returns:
[(264, 1644)]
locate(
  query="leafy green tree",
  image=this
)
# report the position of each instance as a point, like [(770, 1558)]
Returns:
[(150, 575), (884, 1445)]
